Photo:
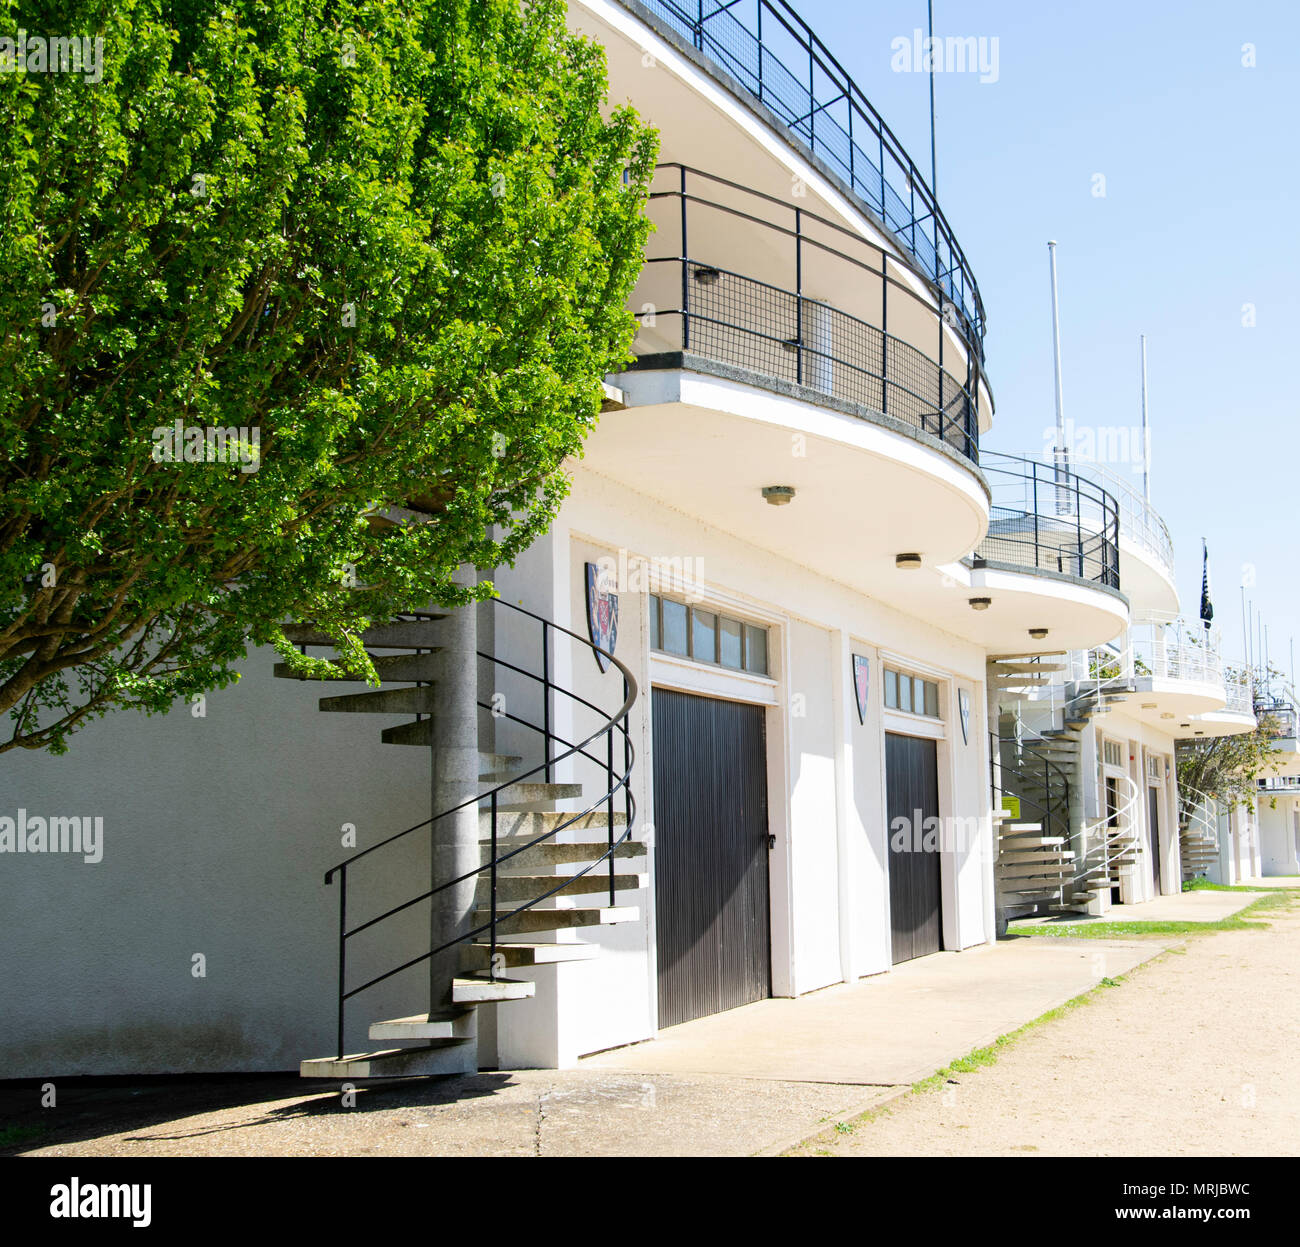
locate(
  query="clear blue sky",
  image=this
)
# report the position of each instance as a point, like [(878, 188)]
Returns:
[(1201, 215)]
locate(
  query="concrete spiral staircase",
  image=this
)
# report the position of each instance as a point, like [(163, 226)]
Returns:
[(1066, 871), (552, 873), (1198, 833)]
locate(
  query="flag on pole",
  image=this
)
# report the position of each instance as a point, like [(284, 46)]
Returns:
[(1207, 607)]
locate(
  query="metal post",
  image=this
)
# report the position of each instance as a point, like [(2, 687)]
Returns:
[(686, 272), (1033, 468), (546, 696), (884, 333), (812, 99), (853, 181), (884, 214), (492, 952), (609, 810), (760, 51), (343, 950), (798, 297)]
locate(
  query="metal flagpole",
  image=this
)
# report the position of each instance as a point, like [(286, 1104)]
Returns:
[(1061, 455), (1245, 631), (1146, 433), (934, 171)]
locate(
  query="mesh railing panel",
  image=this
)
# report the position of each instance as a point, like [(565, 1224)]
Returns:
[(748, 324), (752, 40)]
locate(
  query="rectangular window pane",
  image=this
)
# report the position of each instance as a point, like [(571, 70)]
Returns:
[(931, 699), (729, 634), (891, 689), (704, 646), (755, 649), (654, 622), (904, 692), (674, 628)]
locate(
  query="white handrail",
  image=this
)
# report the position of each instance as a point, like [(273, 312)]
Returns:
[(1113, 837), (1170, 647), (1199, 835)]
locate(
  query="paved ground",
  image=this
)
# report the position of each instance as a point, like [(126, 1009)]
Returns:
[(1204, 906), (1193, 1055), (1174, 1047), (892, 1030)]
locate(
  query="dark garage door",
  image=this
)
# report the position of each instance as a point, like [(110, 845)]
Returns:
[(711, 901), (912, 782), (1153, 833)]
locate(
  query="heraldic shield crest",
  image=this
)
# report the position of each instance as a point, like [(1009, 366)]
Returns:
[(862, 684), (602, 615), (963, 709)]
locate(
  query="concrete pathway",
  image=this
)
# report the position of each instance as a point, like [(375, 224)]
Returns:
[(755, 1080), (1194, 1055), (1198, 906), (891, 1030)]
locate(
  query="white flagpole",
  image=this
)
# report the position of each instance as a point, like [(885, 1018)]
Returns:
[(1146, 433)]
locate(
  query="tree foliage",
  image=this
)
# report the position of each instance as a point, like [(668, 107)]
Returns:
[(392, 242), (1226, 768)]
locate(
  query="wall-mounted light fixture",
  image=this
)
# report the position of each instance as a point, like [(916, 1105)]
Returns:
[(707, 276)]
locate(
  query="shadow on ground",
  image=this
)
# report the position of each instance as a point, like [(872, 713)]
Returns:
[(89, 1108)]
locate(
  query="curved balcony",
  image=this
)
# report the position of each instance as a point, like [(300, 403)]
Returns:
[(1049, 519), (775, 347), (1174, 671), (1150, 582), (1238, 714), (767, 51), (1275, 709), (787, 298), (1049, 563)]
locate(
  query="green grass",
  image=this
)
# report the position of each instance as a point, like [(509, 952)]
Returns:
[(1204, 885), (977, 1059), (981, 1058), (1278, 898)]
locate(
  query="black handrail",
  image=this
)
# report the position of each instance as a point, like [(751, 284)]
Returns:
[(780, 332), (1054, 810), (618, 723), (1046, 517), (885, 179)]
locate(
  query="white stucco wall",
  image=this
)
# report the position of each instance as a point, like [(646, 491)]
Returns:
[(217, 832)]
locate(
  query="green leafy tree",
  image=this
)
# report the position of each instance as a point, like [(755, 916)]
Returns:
[(1226, 768), (384, 249)]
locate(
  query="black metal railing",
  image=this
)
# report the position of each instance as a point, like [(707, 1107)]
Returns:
[(766, 48), (1045, 517), (775, 329), (1034, 781), (615, 736)]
